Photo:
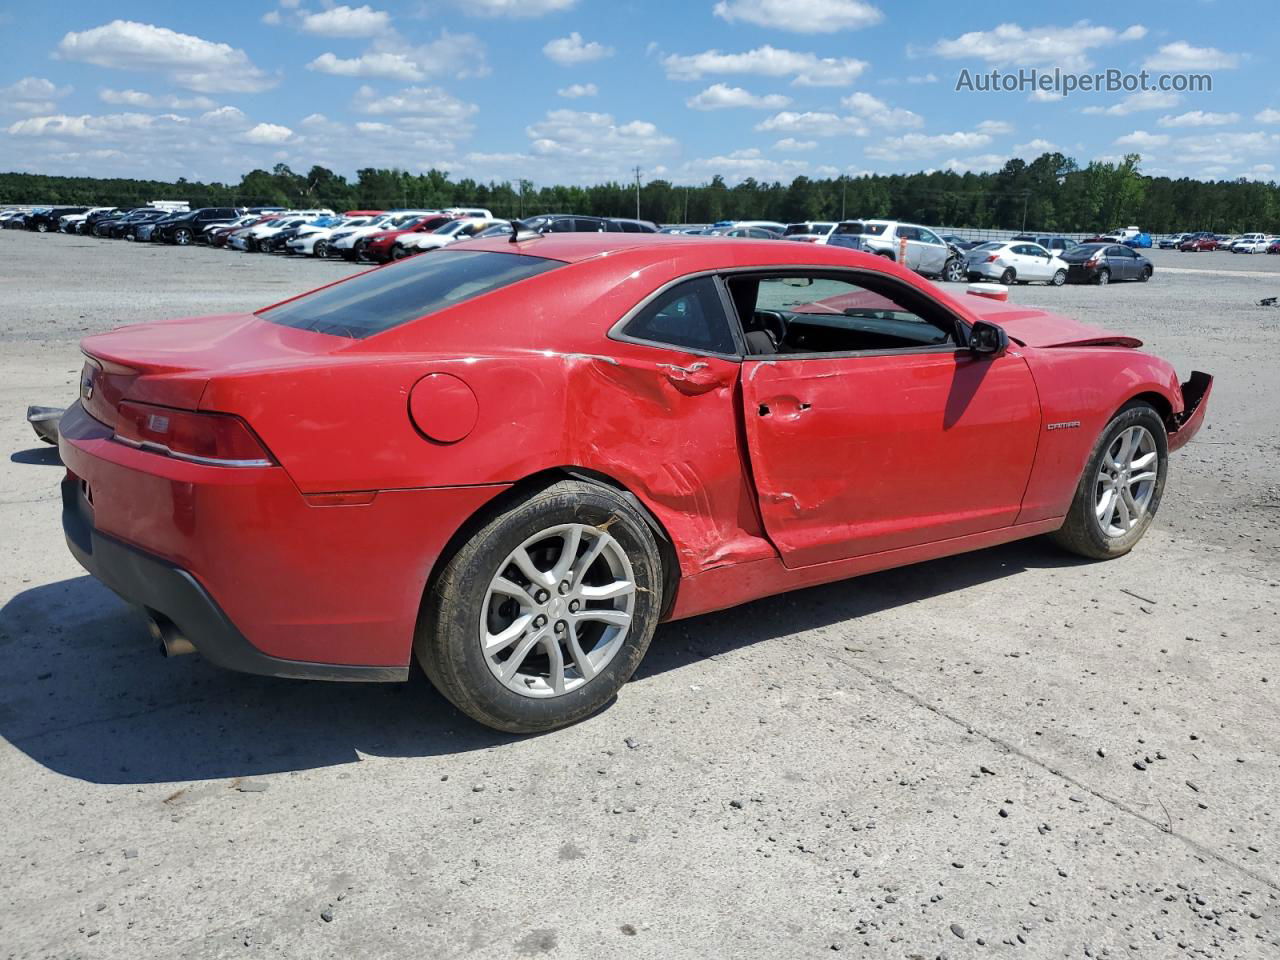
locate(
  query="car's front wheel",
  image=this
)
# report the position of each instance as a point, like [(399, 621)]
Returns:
[(545, 612), (1120, 490), (1059, 278), (182, 236), (1104, 277), (954, 271)]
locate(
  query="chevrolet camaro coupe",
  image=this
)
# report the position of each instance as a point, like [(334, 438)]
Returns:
[(512, 459)]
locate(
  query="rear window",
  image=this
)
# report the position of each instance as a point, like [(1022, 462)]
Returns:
[(869, 229), (373, 302)]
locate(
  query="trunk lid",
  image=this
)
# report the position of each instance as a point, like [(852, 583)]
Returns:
[(170, 362)]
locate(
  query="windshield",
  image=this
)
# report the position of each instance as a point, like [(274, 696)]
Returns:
[(870, 229), (796, 229), (379, 300)]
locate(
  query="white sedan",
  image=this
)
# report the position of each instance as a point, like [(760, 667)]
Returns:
[(313, 241), (1015, 261), (452, 232)]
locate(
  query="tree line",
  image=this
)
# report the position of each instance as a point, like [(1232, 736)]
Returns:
[(1051, 192)]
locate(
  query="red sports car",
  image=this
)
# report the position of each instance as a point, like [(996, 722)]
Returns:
[(381, 246), (1198, 244), (514, 459)]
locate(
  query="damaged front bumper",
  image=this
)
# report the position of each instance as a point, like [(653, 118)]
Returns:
[(1195, 400)]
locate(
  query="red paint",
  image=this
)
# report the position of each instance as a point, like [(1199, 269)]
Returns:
[(443, 407), (386, 446)]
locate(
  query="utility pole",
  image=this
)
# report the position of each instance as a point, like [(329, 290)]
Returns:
[(844, 182), (1026, 195), (637, 192), (686, 204)]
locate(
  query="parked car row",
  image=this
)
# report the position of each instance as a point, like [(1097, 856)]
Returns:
[(380, 236), (1204, 241)]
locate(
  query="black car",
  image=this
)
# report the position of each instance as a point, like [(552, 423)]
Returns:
[(1103, 262), (125, 227), (46, 219), (86, 225), (960, 243), (183, 228)]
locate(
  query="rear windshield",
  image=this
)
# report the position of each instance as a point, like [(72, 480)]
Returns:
[(870, 229), (1083, 251), (381, 299)]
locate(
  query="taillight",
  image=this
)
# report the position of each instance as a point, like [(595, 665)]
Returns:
[(1091, 262), (992, 257), (210, 438)]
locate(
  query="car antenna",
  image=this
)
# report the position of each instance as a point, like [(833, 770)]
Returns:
[(521, 231)]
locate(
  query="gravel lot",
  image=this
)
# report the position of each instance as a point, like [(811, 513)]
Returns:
[(1009, 752)]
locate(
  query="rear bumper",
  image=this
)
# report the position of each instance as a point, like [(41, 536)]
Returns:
[(259, 576), (169, 591)]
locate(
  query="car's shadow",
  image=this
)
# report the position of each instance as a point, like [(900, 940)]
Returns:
[(43, 456), (84, 691)]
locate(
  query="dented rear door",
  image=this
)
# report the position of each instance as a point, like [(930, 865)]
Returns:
[(858, 454)]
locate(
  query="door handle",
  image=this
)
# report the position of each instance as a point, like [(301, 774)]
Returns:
[(694, 379)]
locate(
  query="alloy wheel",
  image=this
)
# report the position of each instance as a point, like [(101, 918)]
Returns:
[(1126, 481), (558, 610)]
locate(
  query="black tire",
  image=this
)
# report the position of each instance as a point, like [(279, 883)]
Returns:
[(398, 252), (447, 642), (250, 245), (1146, 274), (360, 251), (182, 236), (320, 249), (1082, 533), (42, 228), (1059, 278), (1009, 276), (1104, 277), (954, 271), (887, 255)]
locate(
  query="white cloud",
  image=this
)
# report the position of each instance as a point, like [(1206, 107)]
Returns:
[(515, 9), (1009, 43), (86, 125), (187, 60), (421, 110), (812, 123), (995, 127), (880, 114), (920, 144), (1142, 140), (1183, 56), (575, 91), (152, 101), (801, 16), (594, 142), (923, 78), (572, 49), (32, 95), (1269, 115), (792, 145), (982, 163), (263, 133), (1199, 118), (808, 69), (225, 117), (392, 57), (721, 96), (738, 165), (344, 21), (1036, 146), (1146, 100)]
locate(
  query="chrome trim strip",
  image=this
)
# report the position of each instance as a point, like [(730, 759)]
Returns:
[(160, 448)]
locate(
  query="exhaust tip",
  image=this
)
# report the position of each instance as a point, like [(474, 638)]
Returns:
[(173, 643)]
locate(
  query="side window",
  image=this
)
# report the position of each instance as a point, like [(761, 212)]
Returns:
[(1037, 251), (908, 233), (589, 225), (689, 316), (562, 225), (812, 313), (928, 236)]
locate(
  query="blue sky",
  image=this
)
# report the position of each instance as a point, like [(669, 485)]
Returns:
[(582, 91)]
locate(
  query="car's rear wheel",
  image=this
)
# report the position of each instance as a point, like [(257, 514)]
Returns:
[(545, 612), (1008, 276), (320, 248), (1104, 277), (954, 271), (182, 236), (1146, 274), (398, 252), (1059, 278), (1120, 490)]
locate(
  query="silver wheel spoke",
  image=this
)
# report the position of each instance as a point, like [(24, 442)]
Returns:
[(580, 659), (1140, 478), (497, 642), (513, 663), (1122, 508), (611, 591), (588, 559), (508, 589), (568, 553), (525, 564), (556, 658), (1106, 505), (617, 618), (1143, 461)]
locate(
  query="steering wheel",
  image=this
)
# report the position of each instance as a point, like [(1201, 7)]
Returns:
[(773, 322)]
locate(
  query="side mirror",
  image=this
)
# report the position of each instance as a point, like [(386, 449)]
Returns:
[(987, 339)]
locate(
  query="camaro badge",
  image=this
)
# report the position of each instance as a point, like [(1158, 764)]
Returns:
[(86, 387), (1065, 425)]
